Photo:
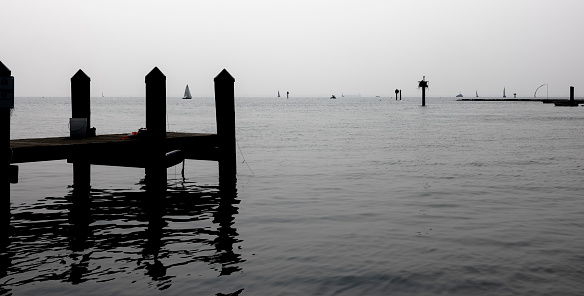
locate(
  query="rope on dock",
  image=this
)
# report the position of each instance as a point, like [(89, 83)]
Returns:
[(243, 157)]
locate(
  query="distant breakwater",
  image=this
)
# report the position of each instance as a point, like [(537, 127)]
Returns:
[(545, 101)]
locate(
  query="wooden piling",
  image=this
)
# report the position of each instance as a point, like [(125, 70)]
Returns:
[(572, 95), (5, 151), (80, 99), (225, 116), (81, 108), (156, 128), (423, 84)]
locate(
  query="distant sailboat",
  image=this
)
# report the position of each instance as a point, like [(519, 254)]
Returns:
[(504, 96), (278, 94), (102, 94), (187, 93), (477, 93)]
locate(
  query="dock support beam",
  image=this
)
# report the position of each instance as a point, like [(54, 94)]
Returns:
[(156, 128), (225, 116), (7, 97)]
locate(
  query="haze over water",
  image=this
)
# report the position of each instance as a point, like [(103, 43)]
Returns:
[(354, 196)]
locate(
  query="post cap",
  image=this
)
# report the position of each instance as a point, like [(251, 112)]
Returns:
[(224, 76), (4, 71), (155, 74), (80, 75)]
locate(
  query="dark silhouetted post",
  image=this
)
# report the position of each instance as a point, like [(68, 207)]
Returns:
[(423, 84), (156, 128), (396, 92), (225, 116), (81, 108), (155, 167), (80, 99), (572, 95), (400, 94), (6, 104)]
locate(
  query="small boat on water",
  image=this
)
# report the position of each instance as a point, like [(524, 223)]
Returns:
[(278, 94), (459, 95), (333, 97), (187, 95)]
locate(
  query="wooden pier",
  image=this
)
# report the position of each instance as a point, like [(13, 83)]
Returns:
[(153, 149)]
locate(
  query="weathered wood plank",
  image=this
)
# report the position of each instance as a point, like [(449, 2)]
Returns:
[(111, 149)]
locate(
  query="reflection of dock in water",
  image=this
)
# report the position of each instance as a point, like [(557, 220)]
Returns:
[(101, 234)]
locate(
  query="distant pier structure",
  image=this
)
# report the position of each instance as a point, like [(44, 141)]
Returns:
[(570, 103), (153, 149)]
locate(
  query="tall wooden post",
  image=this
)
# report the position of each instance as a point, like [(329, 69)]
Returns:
[(225, 116), (80, 98), (156, 128), (396, 92), (423, 84), (400, 94), (81, 108), (6, 104), (572, 95)]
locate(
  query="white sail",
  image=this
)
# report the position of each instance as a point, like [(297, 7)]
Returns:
[(187, 93)]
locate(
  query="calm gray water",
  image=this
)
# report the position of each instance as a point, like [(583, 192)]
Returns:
[(363, 196)]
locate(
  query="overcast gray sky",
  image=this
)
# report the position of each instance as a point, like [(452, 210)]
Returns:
[(307, 47)]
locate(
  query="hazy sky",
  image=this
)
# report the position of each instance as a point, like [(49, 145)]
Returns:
[(309, 48)]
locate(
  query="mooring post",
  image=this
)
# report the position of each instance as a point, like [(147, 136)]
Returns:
[(6, 105), (225, 116), (572, 95), (156, 128), (80, 108), (80, 99), (423, 84), (396, 92), (400, 94)]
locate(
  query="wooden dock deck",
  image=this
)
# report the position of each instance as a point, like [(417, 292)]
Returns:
[(111, 149)]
